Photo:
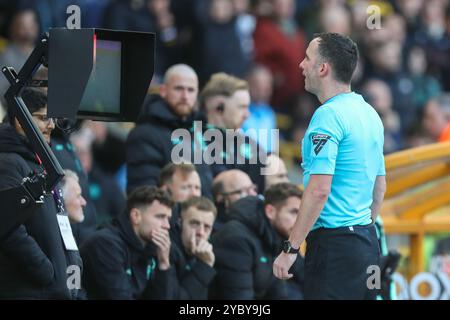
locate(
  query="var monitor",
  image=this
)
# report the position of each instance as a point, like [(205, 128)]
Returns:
[(98, 74)]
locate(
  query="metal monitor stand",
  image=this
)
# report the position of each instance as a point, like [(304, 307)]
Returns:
[(20, 202)]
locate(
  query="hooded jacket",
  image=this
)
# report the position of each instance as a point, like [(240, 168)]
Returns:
[(193, 275), (149, 145), (118, 266), (222, 217), (245, 249), (241, 152), (33, 260)]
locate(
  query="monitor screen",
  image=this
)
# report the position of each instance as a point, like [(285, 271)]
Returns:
[(102, 93), (98, 74)]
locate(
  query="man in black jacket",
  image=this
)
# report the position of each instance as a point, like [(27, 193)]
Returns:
[(247, 245), (34, 262), (181, 181), (193, 253), (225, 100), (149, 145), (130, 258), (65, 153), (228, 187), (74, 201), (106, 196)]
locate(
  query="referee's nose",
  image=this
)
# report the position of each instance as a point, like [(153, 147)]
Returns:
[(301, 65)]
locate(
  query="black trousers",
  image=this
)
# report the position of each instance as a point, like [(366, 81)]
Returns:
[(337, 261)]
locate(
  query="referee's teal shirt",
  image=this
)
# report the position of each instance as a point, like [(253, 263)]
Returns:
[(345, 139)]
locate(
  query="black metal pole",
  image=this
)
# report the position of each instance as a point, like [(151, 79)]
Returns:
[(54, 171)]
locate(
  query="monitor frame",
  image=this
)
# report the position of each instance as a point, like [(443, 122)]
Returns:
[(70, 63)]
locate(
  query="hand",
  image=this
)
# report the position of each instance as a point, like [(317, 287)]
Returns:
[(192, 244), (282, 264), (162, 241), (203, 250)]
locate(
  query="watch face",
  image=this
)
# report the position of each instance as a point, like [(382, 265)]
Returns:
[(286, 246)]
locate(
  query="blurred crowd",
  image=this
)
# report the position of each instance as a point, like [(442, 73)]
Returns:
[(403, 73), (404, 64)]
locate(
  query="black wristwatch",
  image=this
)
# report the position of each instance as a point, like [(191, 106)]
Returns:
[(287, 247)]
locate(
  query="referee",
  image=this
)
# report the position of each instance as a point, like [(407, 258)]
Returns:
[(344, 177)]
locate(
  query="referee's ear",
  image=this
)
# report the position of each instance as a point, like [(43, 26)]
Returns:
[(324, 69)]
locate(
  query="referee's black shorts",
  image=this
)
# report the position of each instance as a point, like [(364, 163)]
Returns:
[(337, 261)]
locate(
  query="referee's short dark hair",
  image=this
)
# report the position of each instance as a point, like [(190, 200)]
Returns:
[(340, 52), (277, 194), (144, 196)]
